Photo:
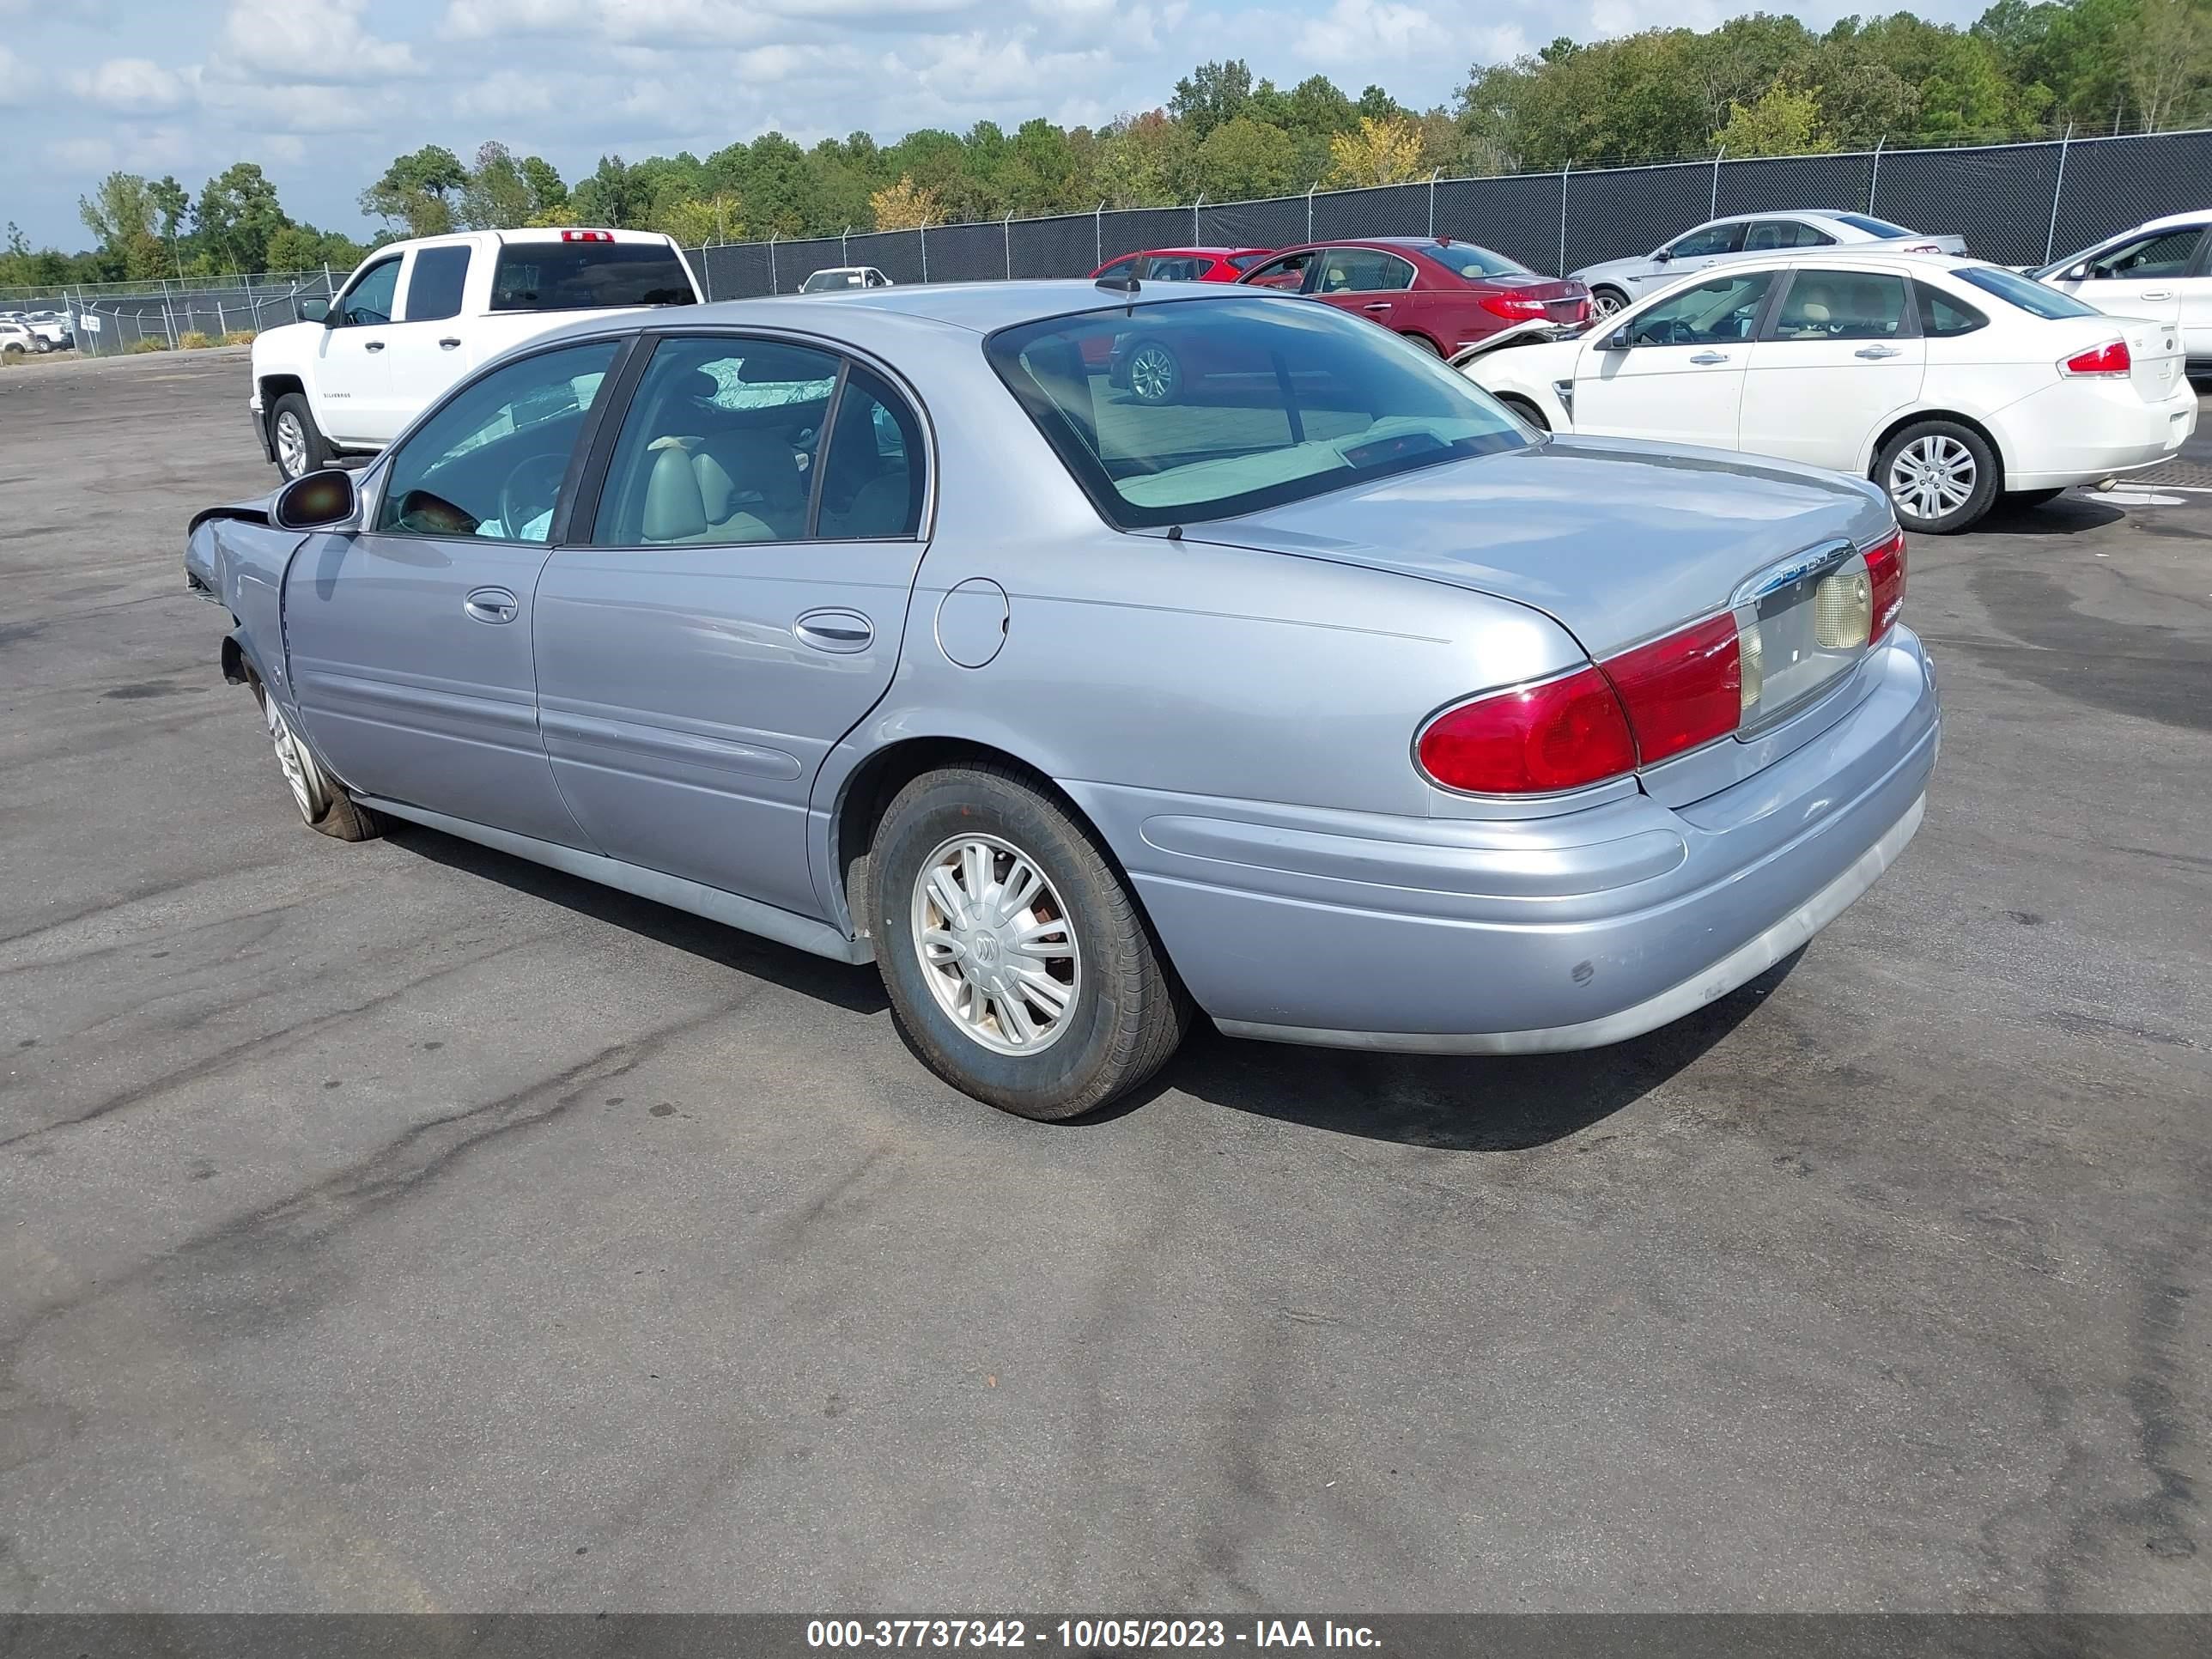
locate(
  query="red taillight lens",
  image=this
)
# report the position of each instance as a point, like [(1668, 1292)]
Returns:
[(1562, 734), (587, 236), (1683, 691), (1886, 576), (1516, 306), (2111, 360)]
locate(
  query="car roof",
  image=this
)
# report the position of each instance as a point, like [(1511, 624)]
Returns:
[(2170, 221), (1188, 247)]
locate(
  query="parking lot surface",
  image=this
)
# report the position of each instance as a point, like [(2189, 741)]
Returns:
[(405, 1226)]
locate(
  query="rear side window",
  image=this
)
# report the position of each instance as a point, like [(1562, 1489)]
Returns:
[(1941, 316), (588, 276), (433, 290)]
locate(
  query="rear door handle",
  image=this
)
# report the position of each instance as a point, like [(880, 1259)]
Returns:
[(1877, 351), (371, 345), (2158, 294), (1710, 357), (1377, 305), (447, 344), (492, 604), (841, 631)]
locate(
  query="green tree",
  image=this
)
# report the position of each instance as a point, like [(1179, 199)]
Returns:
[(1785, 120), (419, 190), (236, 215), (497, 196), (613, 194), (1211, 95), (1244, 158), (2166, 60), (1385, 150), (547, 193)]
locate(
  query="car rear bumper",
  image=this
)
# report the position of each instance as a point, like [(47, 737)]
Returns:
[(1462, 936), (2089, 430)]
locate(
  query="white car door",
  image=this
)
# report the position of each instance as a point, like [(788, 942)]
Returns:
[(2156, 274), (1841, 352), (428, 349), (354, 382), (1695, 251), (1678, 373)]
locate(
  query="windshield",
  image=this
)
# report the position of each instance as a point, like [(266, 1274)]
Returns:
[(2024, 292), (823, 281), (1471, 261), (588, 276), (1872, 226), (1203, 409)]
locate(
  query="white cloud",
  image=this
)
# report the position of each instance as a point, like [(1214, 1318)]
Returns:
[(312, 42), (133, 85), (16, 79), (138, 149)]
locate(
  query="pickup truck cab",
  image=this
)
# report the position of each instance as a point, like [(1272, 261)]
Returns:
[(417, 316)]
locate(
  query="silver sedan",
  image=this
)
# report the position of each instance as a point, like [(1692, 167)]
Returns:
[(1326, 698)]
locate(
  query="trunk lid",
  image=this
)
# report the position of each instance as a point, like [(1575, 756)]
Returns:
[(2155, 352), (1565, 301), (1618, 542)]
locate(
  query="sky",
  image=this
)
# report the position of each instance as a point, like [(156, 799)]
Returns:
[(323, 93)]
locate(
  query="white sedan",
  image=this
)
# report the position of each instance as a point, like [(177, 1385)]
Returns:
[(1950, 382)]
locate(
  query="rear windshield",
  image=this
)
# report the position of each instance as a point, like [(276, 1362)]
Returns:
[(1872, 226), (1469, 260), (588, 276), (2024, 292), (1201, 409), (1246, 261)]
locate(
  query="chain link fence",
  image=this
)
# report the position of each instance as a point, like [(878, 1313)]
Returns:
[(2017, 204)]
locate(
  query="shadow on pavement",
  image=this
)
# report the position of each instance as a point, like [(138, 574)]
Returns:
[(2070, 515)]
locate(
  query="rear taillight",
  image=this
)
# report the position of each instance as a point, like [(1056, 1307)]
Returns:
[(1683, 691), (1884, 564), (587, 236), (1514, 306), (1636, 709), (1534, 740), (2105, 363)]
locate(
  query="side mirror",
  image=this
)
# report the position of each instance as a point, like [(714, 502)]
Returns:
[(2077, 273), (1616, 341), (315, 310), (316, 501), (1662, 255)]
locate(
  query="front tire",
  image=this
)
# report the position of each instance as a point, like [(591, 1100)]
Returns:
[(1018, 965), (1526, 410), (1940, 476), (1154, 374), (324, 805), (299, 443)]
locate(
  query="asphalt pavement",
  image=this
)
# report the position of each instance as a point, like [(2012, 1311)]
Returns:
[(403, 1226)]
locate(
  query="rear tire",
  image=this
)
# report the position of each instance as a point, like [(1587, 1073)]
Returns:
[(1940, 476), (1048, 1010), (1604, 301), (1153, 372), (2031, 497), (299, 443), (322, 800), (1424, 342)]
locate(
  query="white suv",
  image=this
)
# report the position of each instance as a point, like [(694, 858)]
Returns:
[(415, 317)]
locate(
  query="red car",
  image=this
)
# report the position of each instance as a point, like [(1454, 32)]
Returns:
[(1183, 265), (1445, 295)]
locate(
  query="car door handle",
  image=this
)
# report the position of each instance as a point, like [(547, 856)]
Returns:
[(841, 631), (1710, 357), (447, 344), (1877, 351), (1377, 305), (371, 345), (2158, 294), (492, 604)]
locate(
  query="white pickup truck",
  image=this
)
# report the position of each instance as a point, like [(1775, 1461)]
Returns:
[(415, 317)]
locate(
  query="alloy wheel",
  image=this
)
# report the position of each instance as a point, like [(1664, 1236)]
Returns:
[(1604, 303), (294, 760), (291, 444), (1932, 478), (1151, 373), (996, 945)]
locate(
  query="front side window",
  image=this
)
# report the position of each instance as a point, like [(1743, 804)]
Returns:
[(490, 461), (1704, 243), (589, 276), (1287, 274), (1719, 311), (2024, 292), (1274, 404), (1246, 261), (371, 298), (1363, 270), (2166, 254), (1843, 305), (719, 444), (434, 286), (1120, 271), (1176, 267), (1942, 317)]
